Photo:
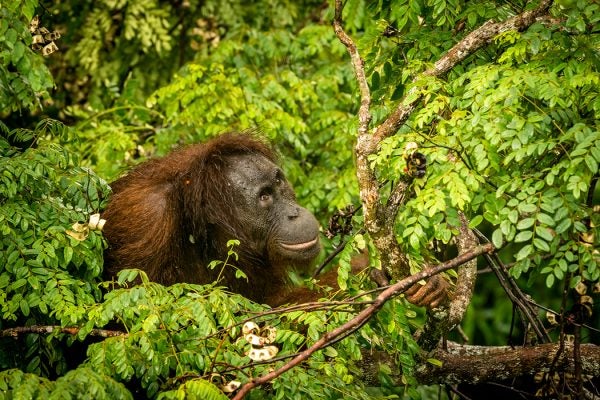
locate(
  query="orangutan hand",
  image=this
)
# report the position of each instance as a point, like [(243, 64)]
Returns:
[(432, 294)]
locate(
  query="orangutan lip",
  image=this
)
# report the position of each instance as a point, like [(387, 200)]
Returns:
[(300, 246)]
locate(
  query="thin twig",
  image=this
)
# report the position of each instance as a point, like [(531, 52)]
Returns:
[(518, 298), (562, 337), (47, 329), (369, 189), (515, 293), (337, 250)]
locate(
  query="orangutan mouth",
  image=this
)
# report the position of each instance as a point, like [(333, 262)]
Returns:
[(300, 246)]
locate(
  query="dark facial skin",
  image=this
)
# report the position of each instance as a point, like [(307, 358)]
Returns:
[(267, 204), (172, 216)]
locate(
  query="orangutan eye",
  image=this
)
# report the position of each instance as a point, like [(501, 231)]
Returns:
[(266, 194), (279, 179)]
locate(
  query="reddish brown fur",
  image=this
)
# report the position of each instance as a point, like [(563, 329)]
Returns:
[(157, 205)]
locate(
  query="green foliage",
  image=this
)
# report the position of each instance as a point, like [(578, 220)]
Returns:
[(511, 137), (532, 131), (182, 339), (239, 274), (139, 33), (144, 24), (116, 41), (406, 35), (45, 275), (247, 85), (287, 79), (516, 143), (80, 383), (24, 79), (195, 389), (187, 339)]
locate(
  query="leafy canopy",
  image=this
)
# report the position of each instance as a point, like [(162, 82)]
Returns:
[(511, 137)]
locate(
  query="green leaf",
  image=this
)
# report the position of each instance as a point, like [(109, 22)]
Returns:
[(525, 223), (544, 233), (558, 273), (24, 305), (12, 257), (549, 280), (68, 254), (596, 153), (330, 352), (563, 226), (513, 216), (17, 52), (18, 283), (435, 362), (497, 240), (591, 163), (523, 236), (524, 252), (545, 219), (151, 323), (527, 207), (375, 81), (413, 240), (11, 37), (475, 221), (541, 244)]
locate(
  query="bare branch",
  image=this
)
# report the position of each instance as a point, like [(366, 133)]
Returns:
[(47, 329), (467, 273), (369, 190), (467, 46), (363, 316), (474, 364), (397, 198), (364, 115), (393, 259), (519, 299)]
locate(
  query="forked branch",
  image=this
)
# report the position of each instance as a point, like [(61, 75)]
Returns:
[(379, 218)]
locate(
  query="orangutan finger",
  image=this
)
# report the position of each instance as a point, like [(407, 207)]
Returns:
[(417, 297), (430, 295), (413, 289), (434, 298)]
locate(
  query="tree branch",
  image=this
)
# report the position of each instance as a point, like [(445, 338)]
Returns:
[(47, 329), (475, 364), (364, 114), (393, 259), (377, 220), (467, 46), (363, 316), (467, 274), (369, 190)]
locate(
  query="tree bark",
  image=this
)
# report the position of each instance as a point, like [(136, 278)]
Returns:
[(477, 364)]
